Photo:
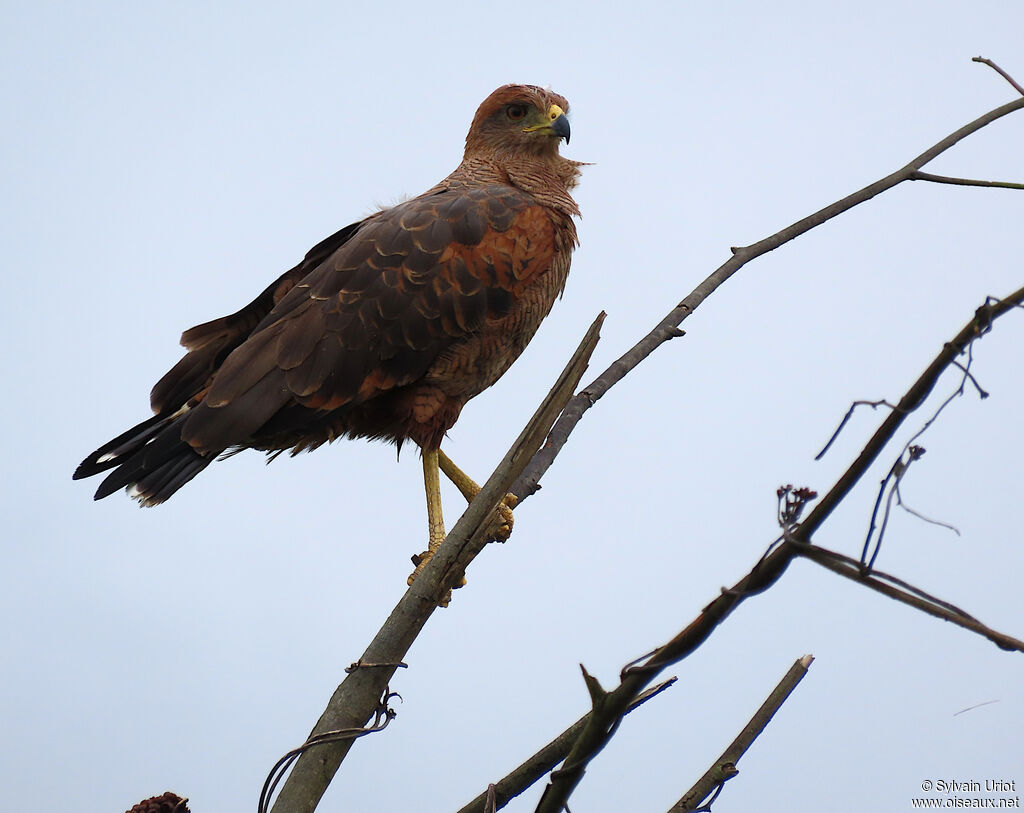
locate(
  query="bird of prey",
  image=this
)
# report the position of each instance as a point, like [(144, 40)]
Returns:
[(386, 328)]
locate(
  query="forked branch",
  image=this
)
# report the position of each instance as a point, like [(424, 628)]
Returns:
[(540, 763), (796, 541)]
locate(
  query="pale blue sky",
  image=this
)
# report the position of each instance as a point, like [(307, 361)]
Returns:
[(162, 162)]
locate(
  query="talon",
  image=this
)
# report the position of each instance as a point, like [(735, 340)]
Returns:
[(419, 560), (501, 529)]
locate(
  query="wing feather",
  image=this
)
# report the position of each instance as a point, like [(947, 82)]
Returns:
[(414, 281), (211, 342)]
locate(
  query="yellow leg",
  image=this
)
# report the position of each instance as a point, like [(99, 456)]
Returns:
[(463, 482), (502, 527), (435, 515), (433, 461)]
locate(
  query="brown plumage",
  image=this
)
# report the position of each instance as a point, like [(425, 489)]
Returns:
[(388, 327)]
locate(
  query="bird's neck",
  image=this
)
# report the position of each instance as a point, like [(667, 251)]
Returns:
[(548, 178)]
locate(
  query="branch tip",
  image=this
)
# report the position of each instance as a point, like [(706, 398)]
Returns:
[(918, 175), (594, 688), (1000, 71)]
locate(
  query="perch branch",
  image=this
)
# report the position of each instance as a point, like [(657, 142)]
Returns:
[(356, 698)]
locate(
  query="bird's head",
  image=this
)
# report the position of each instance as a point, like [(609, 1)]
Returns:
[(522, 119)]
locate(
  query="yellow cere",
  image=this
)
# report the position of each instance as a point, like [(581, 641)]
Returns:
[(553, 113)]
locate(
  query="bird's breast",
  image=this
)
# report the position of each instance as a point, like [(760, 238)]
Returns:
[(473, 365)]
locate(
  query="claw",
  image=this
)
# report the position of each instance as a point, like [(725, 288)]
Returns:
[(420, 561), (501, 526)]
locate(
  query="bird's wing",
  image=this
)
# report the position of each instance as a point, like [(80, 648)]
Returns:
[(410, 283), (210, 343)]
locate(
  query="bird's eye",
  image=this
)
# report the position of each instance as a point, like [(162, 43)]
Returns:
[(516, 112)]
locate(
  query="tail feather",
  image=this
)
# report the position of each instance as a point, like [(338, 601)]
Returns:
[(150, 460), (158, 484), (113, 452)]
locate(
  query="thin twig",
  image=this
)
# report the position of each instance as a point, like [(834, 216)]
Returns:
[(930, 520), (724, 767), (1000, 71), (927, 176), (850, 569), (914, 452), (846, 419), (975, 706), (895, 475), (979, 325)]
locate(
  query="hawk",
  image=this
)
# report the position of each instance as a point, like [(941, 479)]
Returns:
[(385, 329)]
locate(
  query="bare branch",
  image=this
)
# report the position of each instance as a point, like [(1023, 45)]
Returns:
[(547, 758), (894, 475), (724, 768), (914, 452), (927, 176), (930, 520), (851, 569), (667, 328), (1000, 71), (979, 325), (355, 699), (846, 419), (968, 375), (601, 722), (796, 542)]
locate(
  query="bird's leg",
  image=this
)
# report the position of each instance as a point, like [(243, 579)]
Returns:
[(501, 529), (435, 516)]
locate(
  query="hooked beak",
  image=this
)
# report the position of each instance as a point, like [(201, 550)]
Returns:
[(556, 124)]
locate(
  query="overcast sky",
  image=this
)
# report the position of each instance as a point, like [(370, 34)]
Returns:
[(161, 163)]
